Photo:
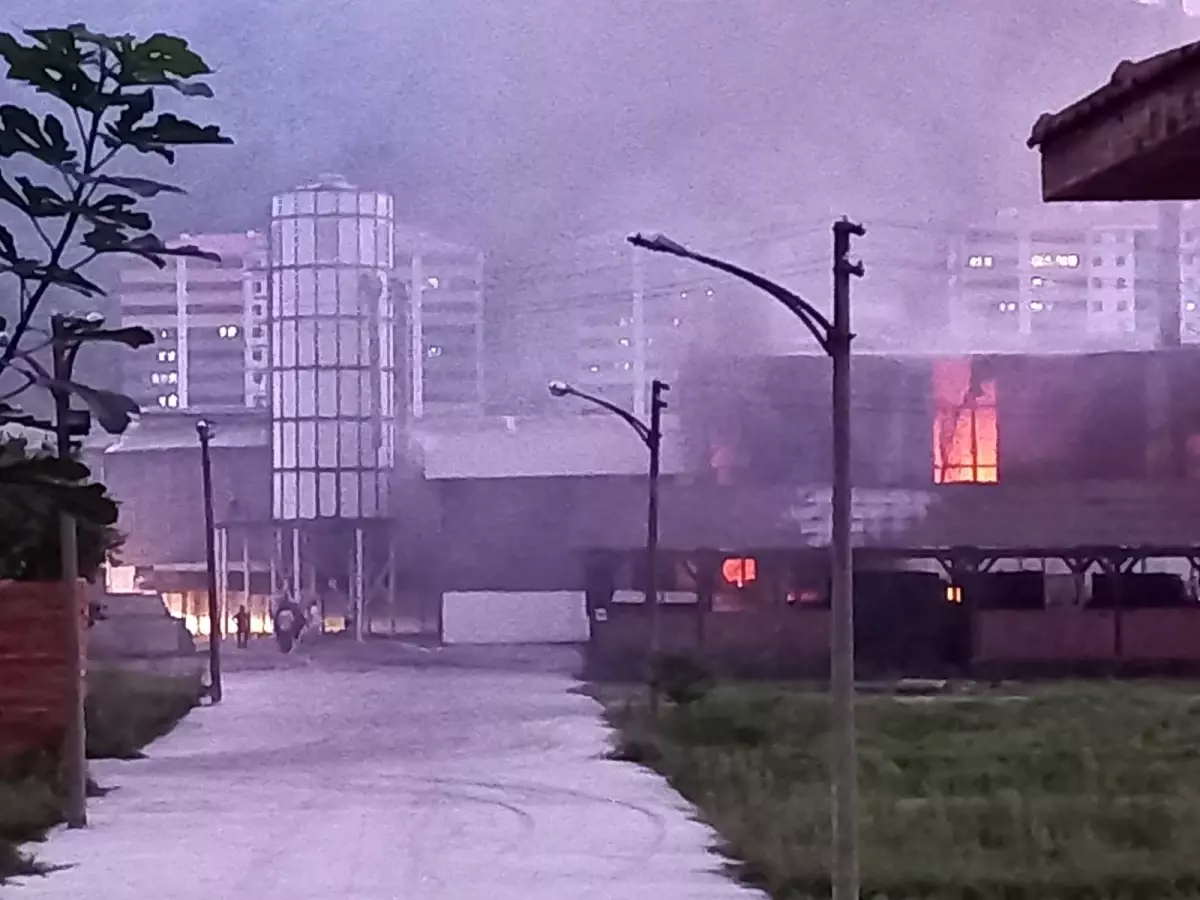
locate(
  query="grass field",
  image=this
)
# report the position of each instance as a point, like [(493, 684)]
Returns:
[(125, 712), (1081, 790)]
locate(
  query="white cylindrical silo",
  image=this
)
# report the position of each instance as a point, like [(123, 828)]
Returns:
[(332, 352)]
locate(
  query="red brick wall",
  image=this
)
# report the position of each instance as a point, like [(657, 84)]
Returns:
[(767, 640), (35, 667), (1044, 635), (1086, 635)]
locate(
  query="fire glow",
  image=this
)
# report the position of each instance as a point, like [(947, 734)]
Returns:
[(965, 433)]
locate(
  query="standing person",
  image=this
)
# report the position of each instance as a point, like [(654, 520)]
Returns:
[(242, 622)]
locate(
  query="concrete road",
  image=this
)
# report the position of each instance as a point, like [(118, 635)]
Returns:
[(392, 782)]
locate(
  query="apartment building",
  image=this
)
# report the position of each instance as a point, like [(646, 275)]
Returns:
[(443, 321), (1073, 278), (209, 321)]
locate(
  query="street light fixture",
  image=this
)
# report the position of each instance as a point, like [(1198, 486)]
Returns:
[(834, 337), (204, 432), (651, 436)]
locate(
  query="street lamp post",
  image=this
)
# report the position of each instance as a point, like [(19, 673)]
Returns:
[(204, 432), (651, 436), (835, 338)]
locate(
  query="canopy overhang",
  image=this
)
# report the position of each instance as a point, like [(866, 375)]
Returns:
[(1135, 138)]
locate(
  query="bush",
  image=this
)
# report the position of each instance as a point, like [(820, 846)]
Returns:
[(682, 679), (28, 808), (126, 711)]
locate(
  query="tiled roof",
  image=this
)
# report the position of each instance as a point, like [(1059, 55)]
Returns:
[(1062, 516), (1128, 78), (1009, 517)]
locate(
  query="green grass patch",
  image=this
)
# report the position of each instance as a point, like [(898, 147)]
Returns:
[(125, 712), (1078, 791)]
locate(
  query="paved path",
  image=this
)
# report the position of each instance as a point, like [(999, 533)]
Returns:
[(396, 783)]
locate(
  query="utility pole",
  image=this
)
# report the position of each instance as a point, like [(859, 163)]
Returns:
[(204, 431), (68, 422), (654, 440), (845, 754), (834, 337)]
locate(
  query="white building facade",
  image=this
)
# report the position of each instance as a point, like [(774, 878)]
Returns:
[(209, 323)]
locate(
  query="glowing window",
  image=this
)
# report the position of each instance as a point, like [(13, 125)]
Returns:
[(740, 571), (965, 435), (954, 594)]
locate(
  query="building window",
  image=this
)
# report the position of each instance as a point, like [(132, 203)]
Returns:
[(1121, 282), (166, 356), (1097, 260), (974, 262), (1059, 260), (740, 571), (256, 355), (965, 436), (258, 310), (1097, 282), (228, 331), (1097, 306), (257, 331), (1122, 306), (168, 401), (1120, 260)]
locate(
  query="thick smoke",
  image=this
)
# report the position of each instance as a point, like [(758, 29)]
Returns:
[(500, 122)]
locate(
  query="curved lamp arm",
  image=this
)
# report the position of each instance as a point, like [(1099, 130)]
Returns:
[(819, 326), (642, 429)]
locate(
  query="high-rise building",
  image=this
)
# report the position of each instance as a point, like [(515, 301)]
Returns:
[(1073, 277), (209, 322), (444, 323)]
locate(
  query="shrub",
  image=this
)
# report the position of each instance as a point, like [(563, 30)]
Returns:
[(126, 711), (682, 679)]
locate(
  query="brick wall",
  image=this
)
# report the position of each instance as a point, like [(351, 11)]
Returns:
[(35, 667)]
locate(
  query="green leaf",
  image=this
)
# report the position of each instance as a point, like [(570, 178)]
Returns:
[(143, 187), (117, 209), (167, 131), (8, 249), (113, 411), (136, 107), (8, 194), (133, 336), (56, 67), (153, 245), (21, 132), (70, 279), (160, 55), (190, 88), (171, 129), (41, 201)]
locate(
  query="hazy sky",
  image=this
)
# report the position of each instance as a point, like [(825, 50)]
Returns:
[(500, 120)]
